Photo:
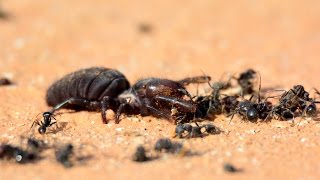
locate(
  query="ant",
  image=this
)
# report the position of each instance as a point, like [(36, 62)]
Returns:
[(195, 131), (43, 125), (253, 111), (211, 104)]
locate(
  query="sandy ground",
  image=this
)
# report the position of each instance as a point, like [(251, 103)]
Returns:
[(42, 40)]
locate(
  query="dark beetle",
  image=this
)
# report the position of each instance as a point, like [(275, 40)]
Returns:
[(88, 89), (161, 98)]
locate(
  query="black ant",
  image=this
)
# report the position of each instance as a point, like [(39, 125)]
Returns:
[(253, 111), (43, 125), (211, 104), (245, 81), (188, 131)]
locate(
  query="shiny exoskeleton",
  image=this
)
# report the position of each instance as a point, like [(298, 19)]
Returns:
[(91, 89), (211, 105), (296, 99), (161, 98), (229, 104), (47, 122)]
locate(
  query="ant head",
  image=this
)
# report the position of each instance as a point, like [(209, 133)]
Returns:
[(42, 129), (47, 115), (252, 114), (311, 109)]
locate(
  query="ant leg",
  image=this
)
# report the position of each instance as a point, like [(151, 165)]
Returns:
[(157, 112), (232, 115), (35, 122), (195, 80), (182, 105), (119, 111), (105, 103), (53, 124)]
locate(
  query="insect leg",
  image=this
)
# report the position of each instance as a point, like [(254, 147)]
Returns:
[(157, 112), (182, 105), (119, 111), (105, 103), (35, 122), (195, 80)]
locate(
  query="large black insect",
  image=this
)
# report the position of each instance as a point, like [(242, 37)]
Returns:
[(91, 89), (161, 98)]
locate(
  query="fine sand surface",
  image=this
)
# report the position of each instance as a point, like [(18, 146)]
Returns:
[(42, 40)]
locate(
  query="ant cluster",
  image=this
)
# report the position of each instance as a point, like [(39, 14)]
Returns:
[(292, 103)]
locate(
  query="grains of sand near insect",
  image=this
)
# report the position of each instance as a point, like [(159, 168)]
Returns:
[(303, 140), (240, 149), (134, 119), (11, 128), (119, 129), (252, 131), (228, 153), (119, 140), (303, 123), (281, 124)]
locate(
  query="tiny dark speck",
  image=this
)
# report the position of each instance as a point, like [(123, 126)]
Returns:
[(230, 168), (5, 81), (145, 28), (3, 15)]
